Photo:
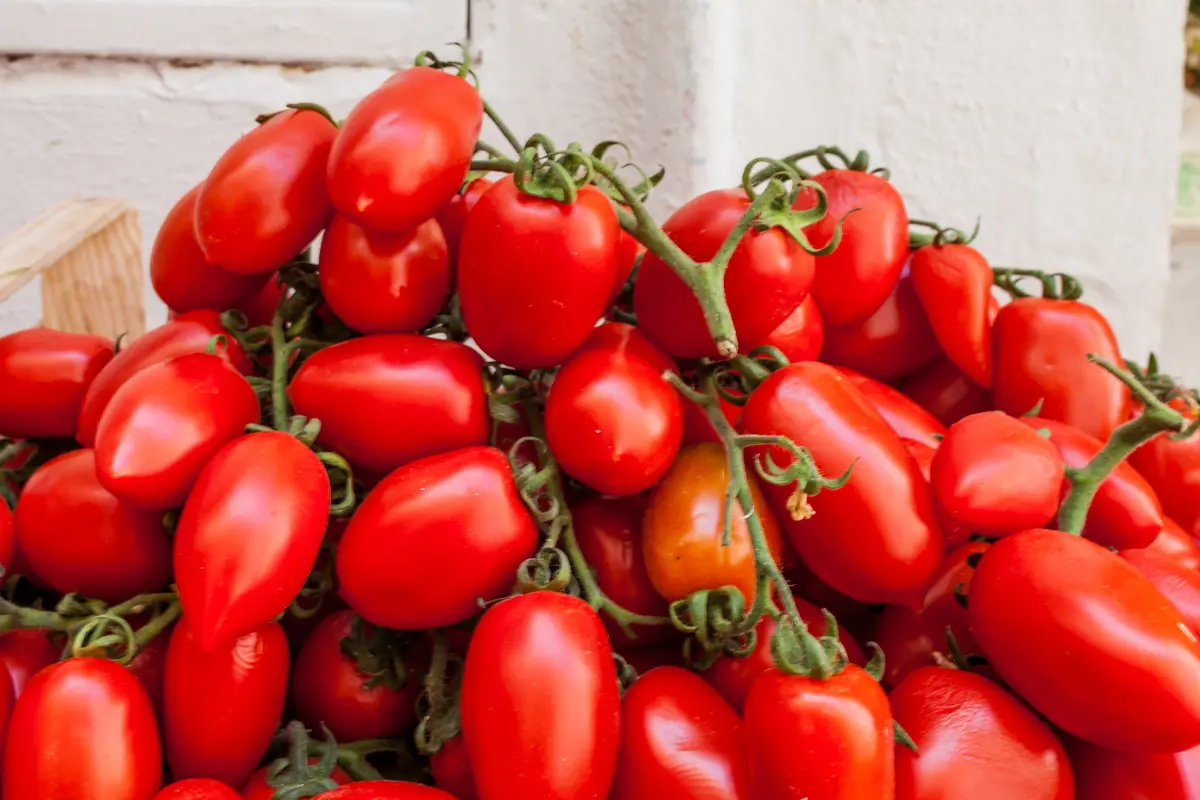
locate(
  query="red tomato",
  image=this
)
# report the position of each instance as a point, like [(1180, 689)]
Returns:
[(647, 657), (452, 218), (1065, 621), (452, 770), (386, 400), (974, 740), (221, 707), (946, 393), (260, 307), (909, 637), (384, 282), (197, 789), (852, 615), (166, 423), (77, 537), (1174, 543), (612, 422), (534, 275), (609, 532), (149, 665), (44, 375), (83, 730), (457, 508), (540, 705), (839, 735), (767, 278), (996, 475), (679, 739), (24, 652), (1040, 350), (1173, 469), (801, 336), (628, 341), (257, 787), (855, 279), (249, 535), (386, 790), (1178, 583), (328, 689), (954, 284), (875, 539), (698, 429), (180, 274), (265, 199), (8, 538), (906, 418), (187, 333), (1125, 512), (7, 700), (893, 342), (1109, 775), (682, 529), (734, 676), (404, 150), (630, 249)]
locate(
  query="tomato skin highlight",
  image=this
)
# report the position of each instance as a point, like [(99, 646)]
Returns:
[(221, 707), (1065, 621), (386, 400), (187, 333), (1173, 542), (840, 735), (682, 529), (530, 737), (535, 275), (164, 425), (1179, 584), (1109, 775), (384, 283), (886, 502), (83, 730), (249, 534), (974, 740), (612, 422), (679, 739), (460, 508), (954, 284), (942, 390), (265, 199), (801, 336), (905, 417), (44, 376), (197, 789), (430, 118), (1040, 350)]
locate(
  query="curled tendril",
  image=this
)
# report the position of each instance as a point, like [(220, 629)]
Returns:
[(781, 171), (940, 236), (337, 465), (428, 58), (550, 174), (109, 635), (802, 471), (773, 357), (549, 570), (712, 617), (641, 189), (1055, 285), (311, 597)]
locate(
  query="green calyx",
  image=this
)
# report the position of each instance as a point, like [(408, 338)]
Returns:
[(937, 236), (550, 174), (783, 191), (1055, 285), (377, 655)]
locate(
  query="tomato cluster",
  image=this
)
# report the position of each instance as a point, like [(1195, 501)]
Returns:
[(504, 490)]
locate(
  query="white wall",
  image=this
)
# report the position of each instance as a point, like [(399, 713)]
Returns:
[(1058, 123)]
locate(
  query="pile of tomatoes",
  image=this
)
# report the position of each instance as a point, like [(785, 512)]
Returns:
[(511, 492)]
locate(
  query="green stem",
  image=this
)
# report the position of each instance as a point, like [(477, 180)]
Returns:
[(157, 625), (493, 165), (281, 351), (502, 126)]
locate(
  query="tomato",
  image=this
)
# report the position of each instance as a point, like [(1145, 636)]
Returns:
[(386, 400), (800, 337), (630, 249), (679, 739), (609, 532), (534, 275), (8, 539), (942, 390), (1109, 775), (628, 341), (23, 653), (452, 770), (768, 276), (384, 282), (166, 423), (540, 705), (1065, 621), (1125, 512), (82, 730), (953, 532), (909, 637), (77, 537), (459, 508), (328, 689), (838, 734), (974, 740), (996, 475), (851, 614), (1174, 543), (906, 418), (149, 665), (260, 307), (249, 534), (257, 787), (197, 789), (875, 539), (44, 375), (893, 342), (7, 700), (1178, 583), (734, 676), (1040, 350), (386, 790), (697, 428), (612, 422), (452, 218), (682, 529), (1173, 469), (182, 277), (187, 333), (954, 285), (644, 658), (265, 200), (404, 150), (221, 707)]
